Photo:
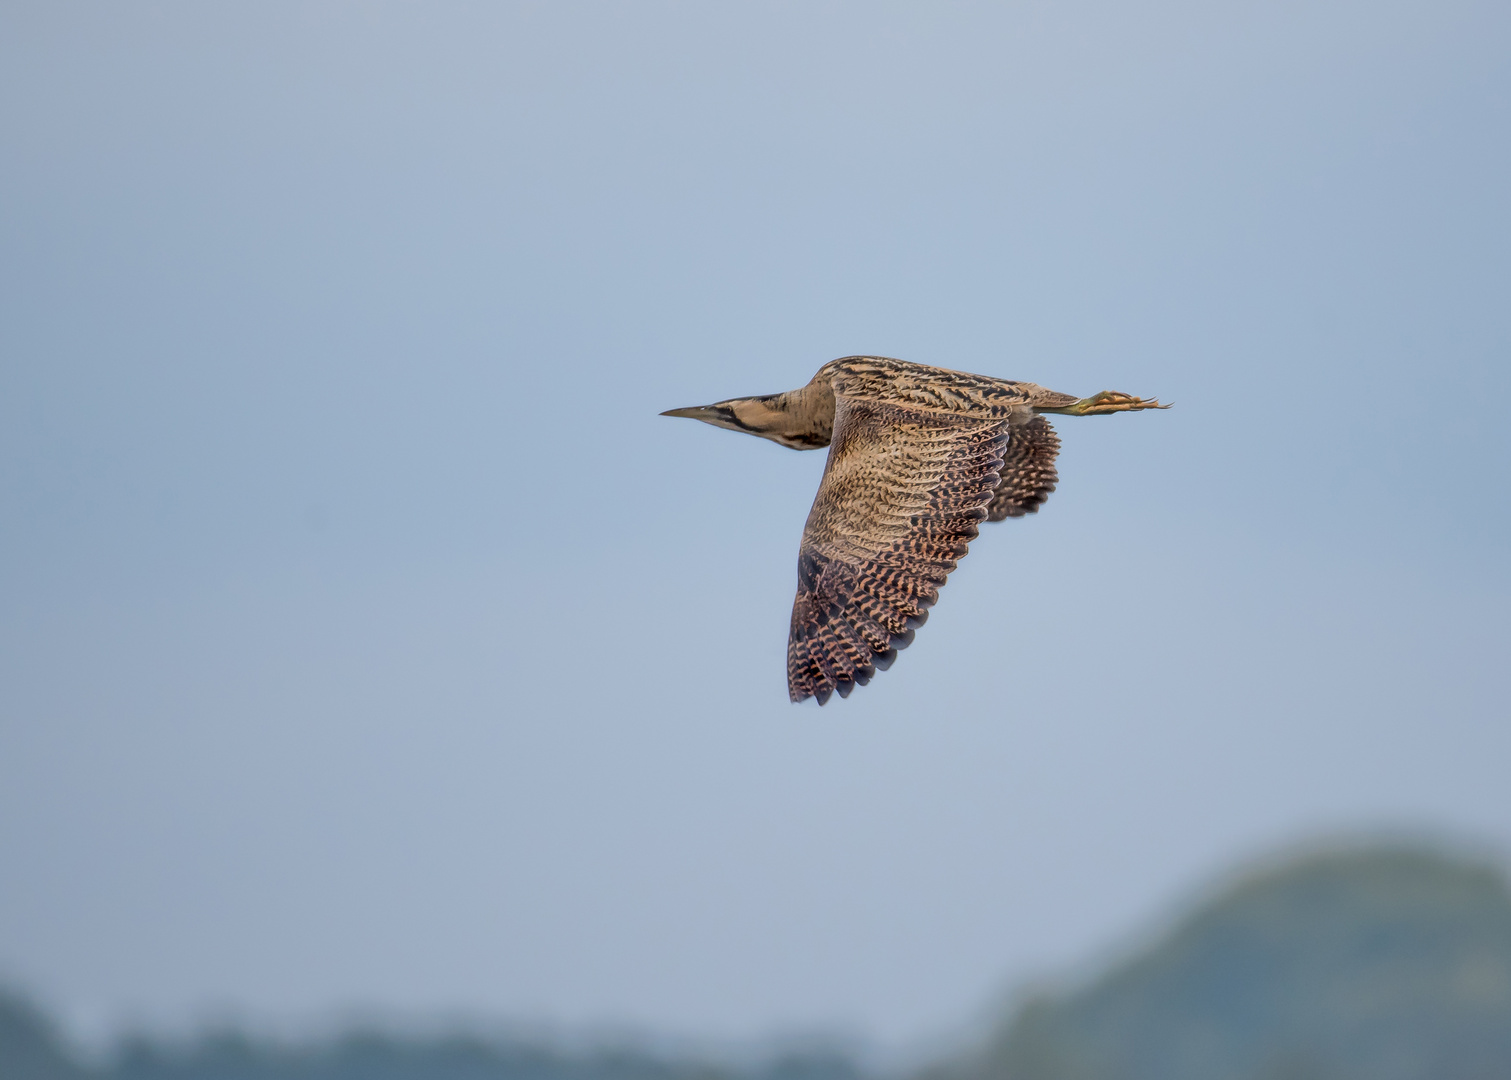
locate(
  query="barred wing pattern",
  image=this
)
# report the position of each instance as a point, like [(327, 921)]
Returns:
[(901, 497), (1028, 470)]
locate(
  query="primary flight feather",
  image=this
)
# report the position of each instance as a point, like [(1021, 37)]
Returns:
[(918, 456)]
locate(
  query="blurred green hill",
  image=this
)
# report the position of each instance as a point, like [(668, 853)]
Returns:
[(30, 1047), (1379, 964), (1385, 964)]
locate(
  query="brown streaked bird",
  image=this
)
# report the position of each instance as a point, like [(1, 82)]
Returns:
[(917, 457)]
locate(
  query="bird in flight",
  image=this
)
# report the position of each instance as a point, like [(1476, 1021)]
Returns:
[(917, 457)]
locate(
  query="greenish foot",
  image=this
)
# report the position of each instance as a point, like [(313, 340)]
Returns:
[(1108, 401)]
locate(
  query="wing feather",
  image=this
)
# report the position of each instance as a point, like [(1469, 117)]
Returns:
[(902, 494), (1028, 470)]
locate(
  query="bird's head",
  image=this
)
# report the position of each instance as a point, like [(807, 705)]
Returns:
[(781, 418)]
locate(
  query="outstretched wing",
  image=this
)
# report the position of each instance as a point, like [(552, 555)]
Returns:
[(1028, 470), (901, 497)]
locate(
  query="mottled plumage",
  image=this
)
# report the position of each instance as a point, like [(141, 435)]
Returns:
[(918, 457), (1028, 470)]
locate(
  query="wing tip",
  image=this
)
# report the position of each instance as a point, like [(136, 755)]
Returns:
[(812, 679)]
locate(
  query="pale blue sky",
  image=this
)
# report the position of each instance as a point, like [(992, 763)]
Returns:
[(366, 639)]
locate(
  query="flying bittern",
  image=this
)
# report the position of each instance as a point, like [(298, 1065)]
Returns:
[(917, 457)]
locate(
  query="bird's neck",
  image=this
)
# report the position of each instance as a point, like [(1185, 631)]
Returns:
[(804, 418)]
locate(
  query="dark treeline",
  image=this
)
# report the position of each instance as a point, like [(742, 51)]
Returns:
[(31, 1048)]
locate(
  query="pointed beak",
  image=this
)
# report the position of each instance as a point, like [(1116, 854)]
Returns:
[(709, 414)]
